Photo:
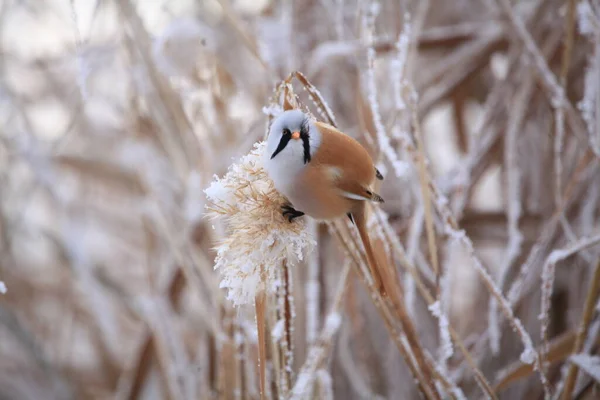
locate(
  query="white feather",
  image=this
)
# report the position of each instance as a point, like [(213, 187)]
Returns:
[(285, 168), (334, 172), (354, 196)]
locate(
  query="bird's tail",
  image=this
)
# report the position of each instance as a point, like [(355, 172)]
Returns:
[(360, 221)]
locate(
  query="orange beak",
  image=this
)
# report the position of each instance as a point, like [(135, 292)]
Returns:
[(296, 135)]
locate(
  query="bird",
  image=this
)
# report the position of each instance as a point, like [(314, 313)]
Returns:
[(323, 173)]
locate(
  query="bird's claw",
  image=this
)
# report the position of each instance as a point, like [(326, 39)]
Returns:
[(290, 212)]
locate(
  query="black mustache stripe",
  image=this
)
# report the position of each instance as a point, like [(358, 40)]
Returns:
[(285, 140), (306, 146), (282, 143)]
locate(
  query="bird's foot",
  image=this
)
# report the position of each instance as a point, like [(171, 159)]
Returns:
[(290, 212)]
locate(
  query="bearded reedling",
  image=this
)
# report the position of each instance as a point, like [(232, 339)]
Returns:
[(324, 174)]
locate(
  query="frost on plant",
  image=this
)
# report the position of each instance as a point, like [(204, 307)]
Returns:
[(400, 167), (590, 364), (398, 64), (589, 25), (446, 349), (258, 238), (277, 331), (588, 21)]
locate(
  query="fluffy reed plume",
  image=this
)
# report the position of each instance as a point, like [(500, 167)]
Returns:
[(258, 239)]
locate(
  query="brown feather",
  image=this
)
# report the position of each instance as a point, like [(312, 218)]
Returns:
[(345, 152), (342, 164), (326, 202), (348, 155), (360, 220)]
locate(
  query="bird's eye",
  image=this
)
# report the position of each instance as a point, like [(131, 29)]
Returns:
[(286, 131)]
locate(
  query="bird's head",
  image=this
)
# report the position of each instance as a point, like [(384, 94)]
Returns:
[(292, 134)]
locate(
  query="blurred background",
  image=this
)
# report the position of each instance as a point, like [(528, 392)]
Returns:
[(116, 114)]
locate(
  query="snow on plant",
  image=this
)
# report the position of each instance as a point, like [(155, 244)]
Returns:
[(446, 349), (589, 25), (259, 239)]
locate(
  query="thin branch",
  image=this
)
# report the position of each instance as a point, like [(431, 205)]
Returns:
[(586, 318)]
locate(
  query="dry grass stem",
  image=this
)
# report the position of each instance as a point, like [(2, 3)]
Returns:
[(262, 342)]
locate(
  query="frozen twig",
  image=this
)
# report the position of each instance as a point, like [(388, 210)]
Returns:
[(550, 82), (513, 191), (588, 311), (399, 253), (383, 140), (560, 108), (589, 364), (312, 290), (589, 25), (548, 275), (302, 389)]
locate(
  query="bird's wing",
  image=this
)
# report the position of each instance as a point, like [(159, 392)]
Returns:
[(354, 191), (347, 163)]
